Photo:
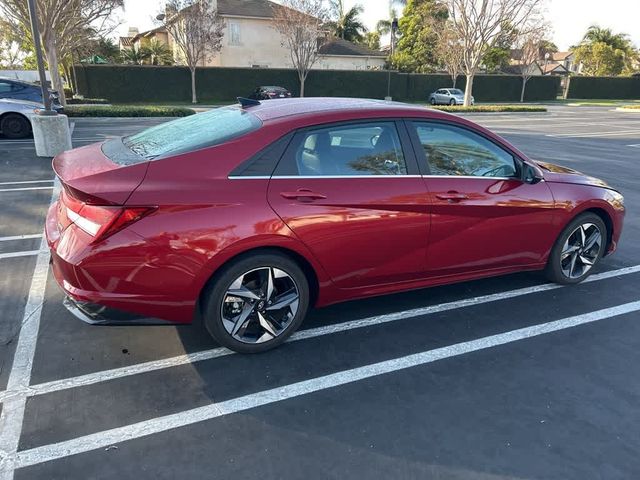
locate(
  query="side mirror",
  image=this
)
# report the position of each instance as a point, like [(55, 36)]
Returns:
[(531, 174)]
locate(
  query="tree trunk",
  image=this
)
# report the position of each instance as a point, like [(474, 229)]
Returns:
[(302, 80), (524, 84), (54, 68), (194, 98), (455, 79), (468, 90)]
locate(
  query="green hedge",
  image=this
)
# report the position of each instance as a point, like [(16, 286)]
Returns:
[(87, 101), (604, 87), (133, 84), (126, 111), (488, 108)]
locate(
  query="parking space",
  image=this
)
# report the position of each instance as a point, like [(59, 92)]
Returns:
[(508, 377)]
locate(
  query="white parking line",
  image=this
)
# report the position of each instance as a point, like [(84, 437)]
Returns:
[(637, 145), (20, 375), (24, 189), (145, 428), (615, 133), (20, 237), (22, 182), (146, 367), (26, 253)]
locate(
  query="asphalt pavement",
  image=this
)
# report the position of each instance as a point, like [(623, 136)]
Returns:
[(504, 378)]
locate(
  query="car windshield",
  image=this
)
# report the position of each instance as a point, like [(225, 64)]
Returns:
[(192, 133), (456, 91)]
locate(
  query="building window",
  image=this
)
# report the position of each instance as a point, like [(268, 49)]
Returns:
[(234, 33)]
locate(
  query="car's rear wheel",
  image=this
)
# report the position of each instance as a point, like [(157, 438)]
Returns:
[(433, 101), (14, 125), (578, 249), (256, 302), (452, 101)]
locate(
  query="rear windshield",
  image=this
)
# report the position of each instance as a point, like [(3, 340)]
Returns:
[(192, 133), (455, 91)]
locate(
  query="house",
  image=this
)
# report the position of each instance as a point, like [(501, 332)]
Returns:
[(553, 68), (251, 40), (567, 60)]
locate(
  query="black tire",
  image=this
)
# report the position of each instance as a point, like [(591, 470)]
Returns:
[(554, 270), (452, 102), (433, 101), (14, 125), (216, 292)]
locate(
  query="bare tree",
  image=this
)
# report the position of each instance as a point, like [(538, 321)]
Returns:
[(197, 30), (529, 44), (479, 24), (300, 25), (449, 50), (62, 24)]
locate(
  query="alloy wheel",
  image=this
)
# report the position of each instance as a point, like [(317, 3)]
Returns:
[(581, 250), (259, 305)]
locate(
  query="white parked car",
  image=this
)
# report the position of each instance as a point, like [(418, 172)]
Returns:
[(15, 117), (448, 96)]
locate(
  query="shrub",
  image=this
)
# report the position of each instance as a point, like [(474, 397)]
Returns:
[(87, 101), (489, 108), (630, 107), (127, 111)]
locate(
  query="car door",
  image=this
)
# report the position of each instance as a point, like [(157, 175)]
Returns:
[(484, 216), (440, 96), (352, 193)]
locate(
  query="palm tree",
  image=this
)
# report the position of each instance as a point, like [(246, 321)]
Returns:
[(347, 25), (135, 56), (159, 53), (619, 41)]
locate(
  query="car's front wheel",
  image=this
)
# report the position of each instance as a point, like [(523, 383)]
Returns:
[(578, 249), (255, 303), (14, 125), (433, 101)]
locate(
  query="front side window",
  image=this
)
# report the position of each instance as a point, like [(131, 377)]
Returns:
[(5, 87), (187, 134), (456, 151), (363, 149)]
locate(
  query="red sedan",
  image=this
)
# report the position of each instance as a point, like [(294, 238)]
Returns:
[(249, 214)]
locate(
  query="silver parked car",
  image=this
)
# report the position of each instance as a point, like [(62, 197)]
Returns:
[(448, 96), (15, 117)]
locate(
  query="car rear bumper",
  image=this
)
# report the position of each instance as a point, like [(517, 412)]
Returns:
[(96, 314), (96, 294)]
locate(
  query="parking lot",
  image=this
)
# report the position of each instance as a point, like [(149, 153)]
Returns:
[(508, 377)]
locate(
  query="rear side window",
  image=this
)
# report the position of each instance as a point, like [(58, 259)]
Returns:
[(362, 149), (192, 133)]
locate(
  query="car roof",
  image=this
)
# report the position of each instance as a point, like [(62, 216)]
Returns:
[(293, 108)]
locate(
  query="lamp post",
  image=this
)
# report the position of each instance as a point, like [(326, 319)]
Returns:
[(51, 133), (35, 32), (394, 29)]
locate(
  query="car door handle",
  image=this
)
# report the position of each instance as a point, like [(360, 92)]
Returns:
[(452, 196), (302, 193)]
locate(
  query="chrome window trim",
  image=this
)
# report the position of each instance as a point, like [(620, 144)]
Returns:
[(470, 176), (293, 177)]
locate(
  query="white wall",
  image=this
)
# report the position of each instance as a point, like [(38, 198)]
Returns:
[(342, 62)]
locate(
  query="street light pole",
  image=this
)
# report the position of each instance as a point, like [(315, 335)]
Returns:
[(35, 32), (394, 28)]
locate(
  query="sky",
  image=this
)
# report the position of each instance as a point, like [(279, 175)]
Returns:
[(568, 18)]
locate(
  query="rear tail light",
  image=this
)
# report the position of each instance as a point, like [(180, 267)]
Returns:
[(100, 221)]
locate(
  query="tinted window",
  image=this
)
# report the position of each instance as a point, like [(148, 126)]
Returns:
[(5, 87), (453, 150), (363, 149), (192, 133), (456, 91)]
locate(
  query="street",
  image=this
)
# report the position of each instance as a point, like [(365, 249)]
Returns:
[(508, 377)]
